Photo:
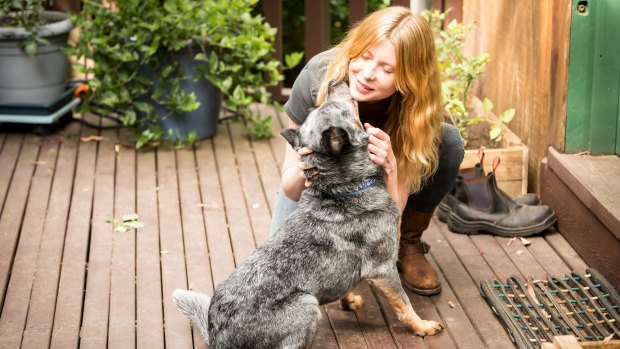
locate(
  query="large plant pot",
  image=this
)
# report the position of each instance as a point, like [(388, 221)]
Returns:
[(38, 79), (203, 121)]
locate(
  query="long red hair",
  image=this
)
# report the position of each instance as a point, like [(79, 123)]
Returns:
[(415, 113)]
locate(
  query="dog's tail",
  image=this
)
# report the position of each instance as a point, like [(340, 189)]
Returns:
[(196, 307)]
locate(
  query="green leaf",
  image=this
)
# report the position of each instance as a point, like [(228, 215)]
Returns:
[(495, 132), (291, 60), (487, 104), (134, 225), (507, 115), (130, 217), (121, 228)]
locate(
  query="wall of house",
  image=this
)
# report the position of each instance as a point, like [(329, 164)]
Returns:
[(528, 41)]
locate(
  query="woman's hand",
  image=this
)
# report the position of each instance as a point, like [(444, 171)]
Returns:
[(381, 153), (380, 149), (304, 168)]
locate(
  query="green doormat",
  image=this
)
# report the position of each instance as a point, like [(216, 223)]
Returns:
[(533, 312)]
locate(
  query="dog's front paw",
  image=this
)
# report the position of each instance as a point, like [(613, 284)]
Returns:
[(352, 302), (429, 328)]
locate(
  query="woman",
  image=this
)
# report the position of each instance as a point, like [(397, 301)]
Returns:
[(390, 64)]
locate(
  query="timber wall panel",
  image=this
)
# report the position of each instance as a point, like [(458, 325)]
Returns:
[(528, 42)]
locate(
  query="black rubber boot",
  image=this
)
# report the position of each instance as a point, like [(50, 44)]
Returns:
[(481, 206), (466, 176)]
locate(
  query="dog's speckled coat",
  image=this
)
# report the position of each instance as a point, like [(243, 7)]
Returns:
[(342, 233)]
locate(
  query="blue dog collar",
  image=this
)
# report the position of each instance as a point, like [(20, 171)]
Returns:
[(365, 185)]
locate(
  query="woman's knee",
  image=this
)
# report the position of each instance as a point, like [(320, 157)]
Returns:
[(452, 149)]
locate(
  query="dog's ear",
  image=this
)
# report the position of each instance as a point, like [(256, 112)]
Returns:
[(292, 137), (336, 87), (333, 139)]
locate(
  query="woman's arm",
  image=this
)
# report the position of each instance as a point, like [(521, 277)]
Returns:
[(381, 153), (293, 180)]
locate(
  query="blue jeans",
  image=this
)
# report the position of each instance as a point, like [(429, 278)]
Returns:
[(451, 152)]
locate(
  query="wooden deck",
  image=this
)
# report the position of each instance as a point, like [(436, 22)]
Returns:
[(67, 280)]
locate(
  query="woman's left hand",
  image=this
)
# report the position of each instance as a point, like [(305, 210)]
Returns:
[(381, 153), (380, 149)]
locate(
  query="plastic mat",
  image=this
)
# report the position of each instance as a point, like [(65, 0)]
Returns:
[(535, 311)]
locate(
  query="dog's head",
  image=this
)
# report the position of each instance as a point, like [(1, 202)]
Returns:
[(337, 137)]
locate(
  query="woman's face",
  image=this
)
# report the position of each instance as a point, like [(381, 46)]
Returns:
[(371, 75)]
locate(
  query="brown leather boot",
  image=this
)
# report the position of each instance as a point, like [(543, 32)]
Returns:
[(420, 276)]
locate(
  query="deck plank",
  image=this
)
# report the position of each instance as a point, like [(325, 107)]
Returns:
[(44, 292), (239, 227), (522, 258), (325, 338), (8, 159), (149, 312), (402, 335), (463, 266), (194, 235), (269, 165), (19, 289), (565, 251), (251, 186), (122, 326), (71, 286), (372, 324), (178, 333), (346, 327), (95, 320), (463, 332), (218, 241), (15, 206), (495, 256)]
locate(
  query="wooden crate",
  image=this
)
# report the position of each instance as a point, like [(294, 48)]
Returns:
[(570, 342), (511, 175)]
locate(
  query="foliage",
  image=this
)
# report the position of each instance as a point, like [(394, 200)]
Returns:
[(126, 222), (25, 14), (123, 37), (293, 27), (459, 72)]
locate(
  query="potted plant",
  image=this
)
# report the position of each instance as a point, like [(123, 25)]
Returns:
[(162, 64), (33, 66), (474, 118)]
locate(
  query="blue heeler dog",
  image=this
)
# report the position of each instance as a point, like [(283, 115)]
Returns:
[(344, 231)]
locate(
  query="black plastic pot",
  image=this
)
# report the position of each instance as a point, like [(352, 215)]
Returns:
[(202, 120)]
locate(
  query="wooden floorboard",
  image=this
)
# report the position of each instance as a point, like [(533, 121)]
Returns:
[(44, 293), (8, 159), (177, 330), (149, 309), (73, 265), (239, 227), (17, 299), (122, 327), (458, 257), (194, 235), (96, 309), (218, 240), (15, 206), (68, 280)]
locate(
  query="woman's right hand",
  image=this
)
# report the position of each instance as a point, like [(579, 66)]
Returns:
[(305, 167)]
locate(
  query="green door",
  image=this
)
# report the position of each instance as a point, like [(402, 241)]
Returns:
[(593, 115)]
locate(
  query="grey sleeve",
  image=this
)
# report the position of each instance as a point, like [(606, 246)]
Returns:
[(303, 96)]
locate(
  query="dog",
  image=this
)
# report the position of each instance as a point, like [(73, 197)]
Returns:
[(344, 231)]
